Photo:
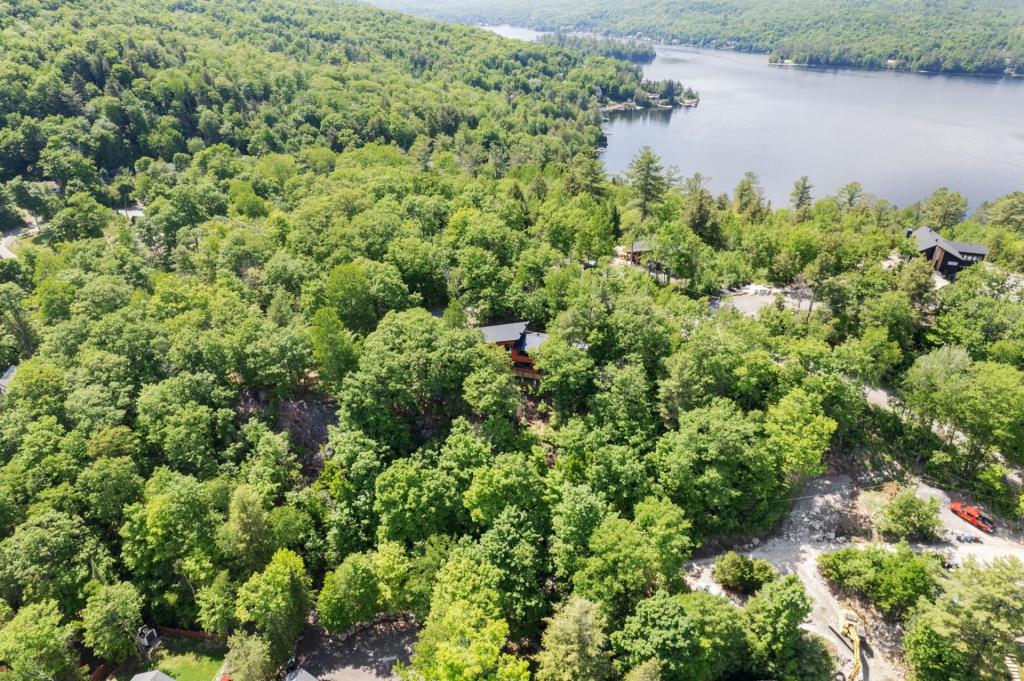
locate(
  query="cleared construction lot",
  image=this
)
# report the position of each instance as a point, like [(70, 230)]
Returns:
[(820, 521)]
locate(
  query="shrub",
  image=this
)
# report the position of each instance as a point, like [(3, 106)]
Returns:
[(892, 580), (908, 517), (742, 574)]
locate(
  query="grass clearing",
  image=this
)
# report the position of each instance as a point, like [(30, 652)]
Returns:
[(181, 659), (871, 502)]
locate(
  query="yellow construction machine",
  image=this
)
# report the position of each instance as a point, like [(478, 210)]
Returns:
[(850, 633)]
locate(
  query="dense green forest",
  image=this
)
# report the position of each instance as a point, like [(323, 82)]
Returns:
[(976, 36), (629, 50), (267, 399)]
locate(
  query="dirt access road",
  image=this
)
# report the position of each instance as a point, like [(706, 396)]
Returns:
[(821, 514), (5, 245), (1005, 541), (9, 237), (809, 530), (751, 298)]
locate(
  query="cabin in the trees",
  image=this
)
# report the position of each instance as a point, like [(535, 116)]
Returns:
[(637, 250), (947, 257), (504, 335), (520, 343)]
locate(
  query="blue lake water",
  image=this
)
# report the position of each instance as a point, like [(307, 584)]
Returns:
[(901, 135)]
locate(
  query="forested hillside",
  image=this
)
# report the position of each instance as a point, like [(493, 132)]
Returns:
[(977, 36), (123, 80), (265, 399)]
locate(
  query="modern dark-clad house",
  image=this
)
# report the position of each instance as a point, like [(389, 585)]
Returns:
[(947, 257), (522, 360)]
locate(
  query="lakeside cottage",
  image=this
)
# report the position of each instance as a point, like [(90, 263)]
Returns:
[(947, 257)]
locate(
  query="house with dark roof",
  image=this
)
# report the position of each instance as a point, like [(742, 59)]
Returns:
[(520, 343), (504, 334), (946, 257), (522, 360), (636, 250)]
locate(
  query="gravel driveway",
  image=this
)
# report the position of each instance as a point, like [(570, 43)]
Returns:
[(367, 655), (812, 527)]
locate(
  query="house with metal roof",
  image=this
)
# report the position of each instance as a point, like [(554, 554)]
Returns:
[(504, 334), (520, 343), (153, 675), (299, 674), (947, 257), (637, 249), (522, 359)]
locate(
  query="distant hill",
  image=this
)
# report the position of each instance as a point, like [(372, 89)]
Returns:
[(974, 36)]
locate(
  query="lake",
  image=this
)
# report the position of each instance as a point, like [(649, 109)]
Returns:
[(901, 135)]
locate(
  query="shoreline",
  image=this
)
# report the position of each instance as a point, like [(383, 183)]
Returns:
[(729, 48), (893, 69), (834, 67), (630, 107)]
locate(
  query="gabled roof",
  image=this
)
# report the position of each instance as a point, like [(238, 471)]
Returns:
[(969, 248), (531, 340), (299, 674), (153, 675), (927, 238), (504, 333), (639, 246)]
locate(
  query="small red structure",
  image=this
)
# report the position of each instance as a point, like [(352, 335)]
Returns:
[(973, 515)]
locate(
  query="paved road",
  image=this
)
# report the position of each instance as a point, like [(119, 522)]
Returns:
[(368, 655), (9, 237), (753, 297), (5, 246)]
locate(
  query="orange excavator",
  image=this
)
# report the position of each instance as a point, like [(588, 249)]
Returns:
[(973, 515)]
